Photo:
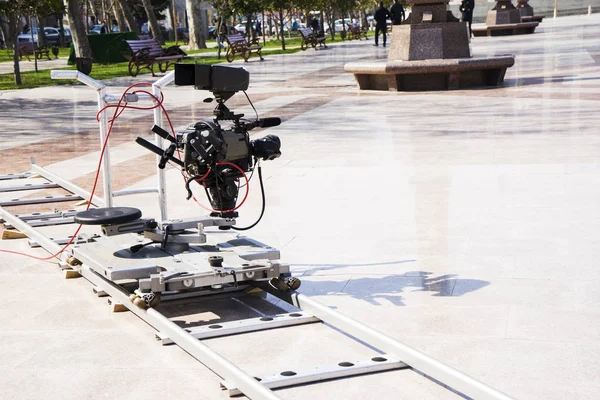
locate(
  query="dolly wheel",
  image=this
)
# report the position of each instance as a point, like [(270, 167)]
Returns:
[(283, 285), (292, 283)]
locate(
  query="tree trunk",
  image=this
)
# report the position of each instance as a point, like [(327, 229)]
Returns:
[(194, 15), (92, 6), (276, 29), (61, 30), (33, 45), (248, 35), (270, 24), (129, 16), (78, 33), (263, 28), (281, 28), (330, 21), (172, 18), (12, 36), (4, 37), (218, 35), (120, 17), (105, 15), (153, 22), (41, 32)]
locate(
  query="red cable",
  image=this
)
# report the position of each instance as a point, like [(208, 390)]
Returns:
[(179, 156), (119, 109), (245, 195), (94, 187)]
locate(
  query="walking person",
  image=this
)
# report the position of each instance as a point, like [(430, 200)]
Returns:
[(397, 13), (381, 16), (466, 9)]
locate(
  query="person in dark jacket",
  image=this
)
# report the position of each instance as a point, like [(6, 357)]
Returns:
[(314, 24), (466, 9), (397, 13), (381, 16)]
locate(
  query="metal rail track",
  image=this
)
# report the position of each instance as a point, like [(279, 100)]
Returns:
[(394, 355)]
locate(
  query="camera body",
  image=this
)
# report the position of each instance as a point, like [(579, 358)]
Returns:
[(217, 153)]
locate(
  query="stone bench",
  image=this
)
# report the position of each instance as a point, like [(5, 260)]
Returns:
[(505, 29), (436, 74), (532, 18)]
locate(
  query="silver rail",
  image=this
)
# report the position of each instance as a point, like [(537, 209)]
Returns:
[(158, 120), (441, 372), (29, 186), (66, 184)]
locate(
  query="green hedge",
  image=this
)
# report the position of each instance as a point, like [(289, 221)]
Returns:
[(107, 48)]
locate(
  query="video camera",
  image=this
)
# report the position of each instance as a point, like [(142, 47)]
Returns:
[(217, 152)]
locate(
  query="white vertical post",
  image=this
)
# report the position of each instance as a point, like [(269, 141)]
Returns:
[(555, 8), (103, 100), (107, 183), (158, 120)]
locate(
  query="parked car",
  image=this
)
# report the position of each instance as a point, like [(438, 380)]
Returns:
[(338, 25), (241, 28), (274, 29), (52, 36), (95, 29), (164, 30)]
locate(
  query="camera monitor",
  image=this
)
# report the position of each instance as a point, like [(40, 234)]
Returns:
[(215, 78)]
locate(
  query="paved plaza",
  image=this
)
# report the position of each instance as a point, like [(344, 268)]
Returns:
[(462, 223)]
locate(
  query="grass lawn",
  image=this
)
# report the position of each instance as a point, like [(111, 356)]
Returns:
[(7, 55), (108, 71)]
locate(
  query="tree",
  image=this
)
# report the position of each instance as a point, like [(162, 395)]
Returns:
[(281, 7), (153, 21), (15, 9), (78, 30), (126, 9), (121, 22), (224, 11), (194, 17), (248, 8)]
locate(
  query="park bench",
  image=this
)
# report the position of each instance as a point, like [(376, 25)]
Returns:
[(146, 53), (237, 44), (310, 38), (26, 49), (355, 32)]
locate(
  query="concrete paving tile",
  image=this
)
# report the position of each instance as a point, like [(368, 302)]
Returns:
[(572, 326), (509, 362), (519, 292), (62, 382)]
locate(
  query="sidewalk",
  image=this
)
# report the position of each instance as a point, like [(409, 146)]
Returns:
[(8, 66)]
